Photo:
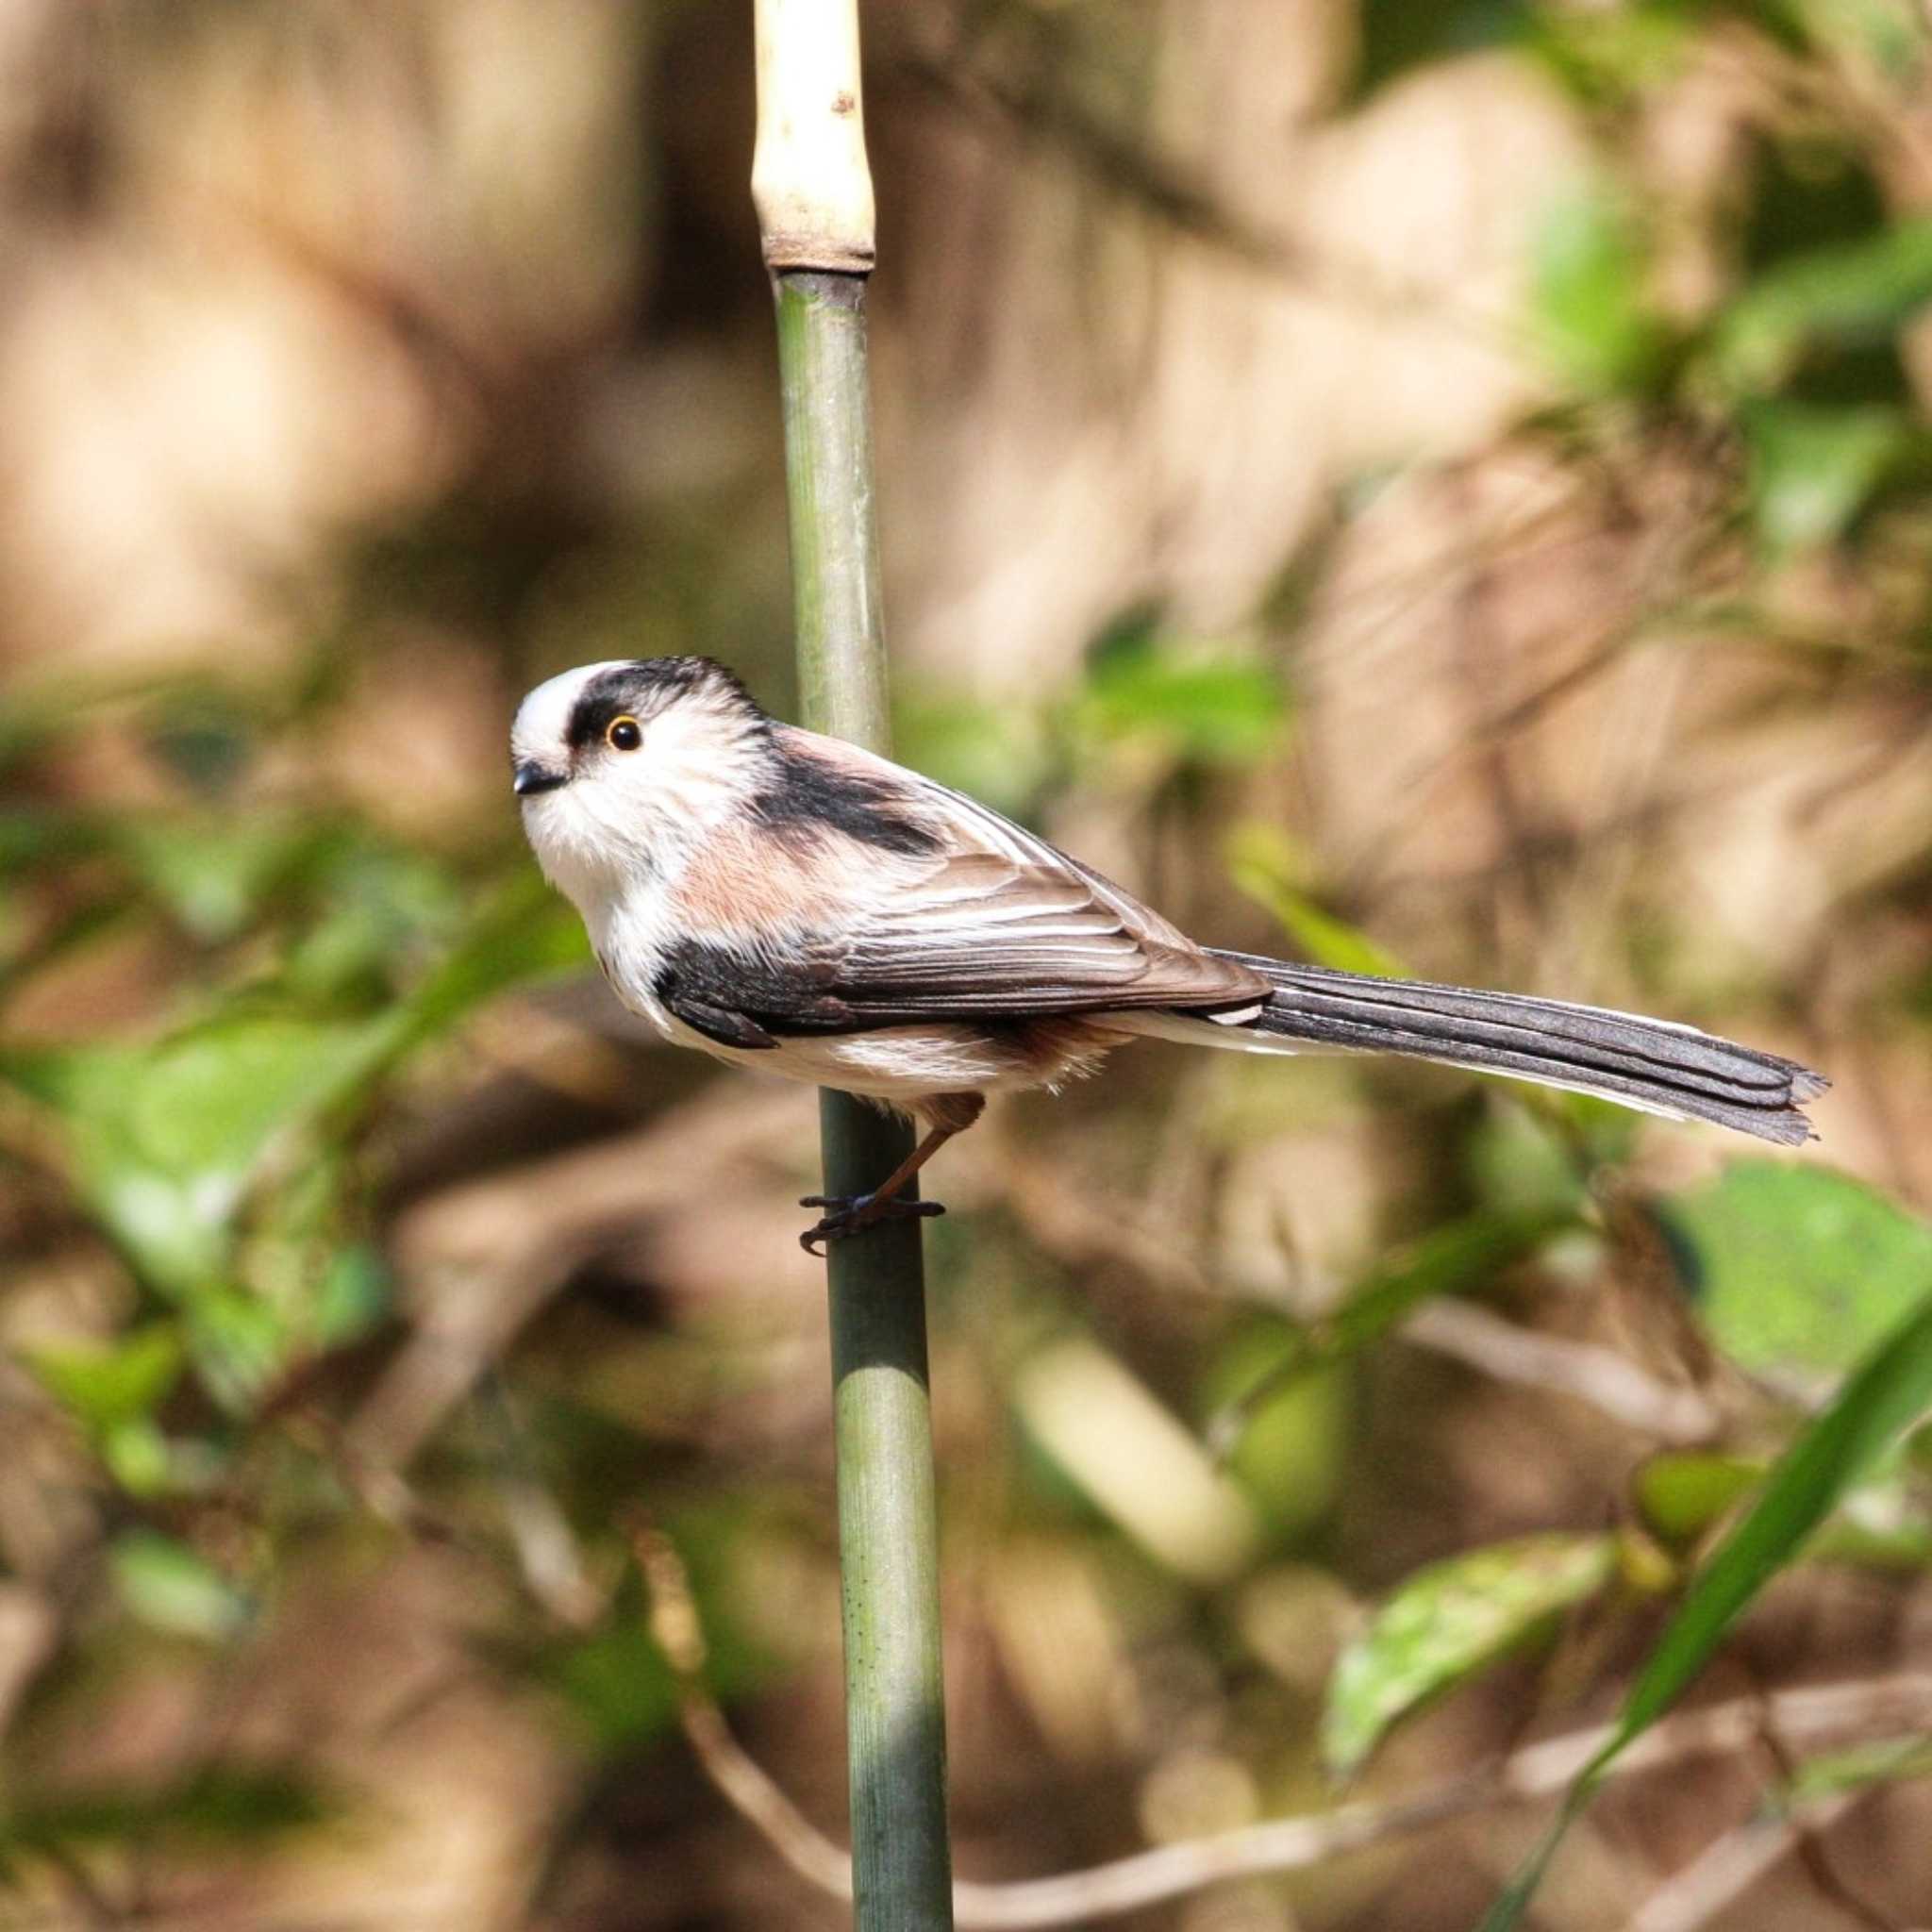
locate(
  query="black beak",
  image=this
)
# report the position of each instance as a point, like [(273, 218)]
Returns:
[(531, 776)]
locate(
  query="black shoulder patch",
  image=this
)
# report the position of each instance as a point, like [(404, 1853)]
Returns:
[(806, 794), (648, 684)]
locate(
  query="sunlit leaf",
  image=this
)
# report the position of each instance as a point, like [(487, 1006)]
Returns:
[(1681, 1494), (137, 1457), (209, 1102), (1891, 34), (211, 874), (1885, 1761), (1798, 1266), (1842, 296), (525, 934), (1815, 466), (1264, 863), (166, 1138), (1289, 1456), (1448, 1622), (241, 1343), (996, 752), (174, 1589), (1589, 300), (1202, 703), (1606, 54), (106, 1383), (1878, 1524)]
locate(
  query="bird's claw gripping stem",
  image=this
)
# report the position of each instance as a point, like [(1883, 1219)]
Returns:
[(854, 1213)]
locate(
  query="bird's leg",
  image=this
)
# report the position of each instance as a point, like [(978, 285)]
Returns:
[(850, 1214)]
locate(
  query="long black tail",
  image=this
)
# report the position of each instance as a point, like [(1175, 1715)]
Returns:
[(1652, 1064)]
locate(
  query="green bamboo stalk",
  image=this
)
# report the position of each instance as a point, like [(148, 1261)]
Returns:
[(888, 1515), (815, 207)]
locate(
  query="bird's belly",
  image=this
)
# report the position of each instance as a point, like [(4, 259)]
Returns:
[(904, 1064)]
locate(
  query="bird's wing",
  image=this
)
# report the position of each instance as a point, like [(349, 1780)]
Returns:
[(987, 921)]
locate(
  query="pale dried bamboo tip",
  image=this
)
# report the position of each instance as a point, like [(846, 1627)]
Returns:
[(809, 180)]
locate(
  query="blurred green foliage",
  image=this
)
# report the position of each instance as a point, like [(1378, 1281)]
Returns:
[(223, 1151), (1448, 1621), (1889, 1392), (1797, 1269)]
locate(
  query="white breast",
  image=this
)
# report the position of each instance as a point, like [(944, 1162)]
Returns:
[(631, 934)]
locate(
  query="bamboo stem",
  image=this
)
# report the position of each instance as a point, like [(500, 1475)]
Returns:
[(814, 200)]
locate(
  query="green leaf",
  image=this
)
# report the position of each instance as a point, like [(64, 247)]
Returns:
[(137, 1457), (211, 874), (208, 1103), (1680, 1495), (173, 1589), (1814, 467), (106, 1384), (1455, 1257), (1460, 1255), (222, 1805), (1265, 864), (1888, 1392), (1589, 273), (617, 1684), (1887, 1760), (1520, 1165), (1877, 1526), (354, 1296), (1288, 1457), (1204, 704), (1843, 297), (166, 1138), (526, 933), (997, 753), (241, 1344), (1398, 36), (1609, 55), (1890, 34), (1797, 1266), (1448, 1622)]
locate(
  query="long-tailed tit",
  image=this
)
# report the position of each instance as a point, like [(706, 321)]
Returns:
[(783, 900)]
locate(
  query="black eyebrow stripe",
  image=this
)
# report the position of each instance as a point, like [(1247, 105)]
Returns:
[(646, 685)]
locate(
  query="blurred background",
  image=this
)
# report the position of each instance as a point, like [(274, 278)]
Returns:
[(1444, 485)]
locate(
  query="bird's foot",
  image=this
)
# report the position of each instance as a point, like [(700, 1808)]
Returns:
[(850, 1214)]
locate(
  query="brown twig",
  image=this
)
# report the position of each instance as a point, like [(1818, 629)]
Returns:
[(1077, 1231), (1730, 1866), (1592, 1373), (1836, 1712), (1811, 1849), (672, 1619)]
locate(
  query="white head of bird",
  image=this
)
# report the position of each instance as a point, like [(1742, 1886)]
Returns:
[(622, 766)]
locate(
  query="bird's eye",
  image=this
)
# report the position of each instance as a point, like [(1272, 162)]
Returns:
[(623, 734)]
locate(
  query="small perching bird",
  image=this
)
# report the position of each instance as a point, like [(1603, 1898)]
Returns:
[(783, 900)]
